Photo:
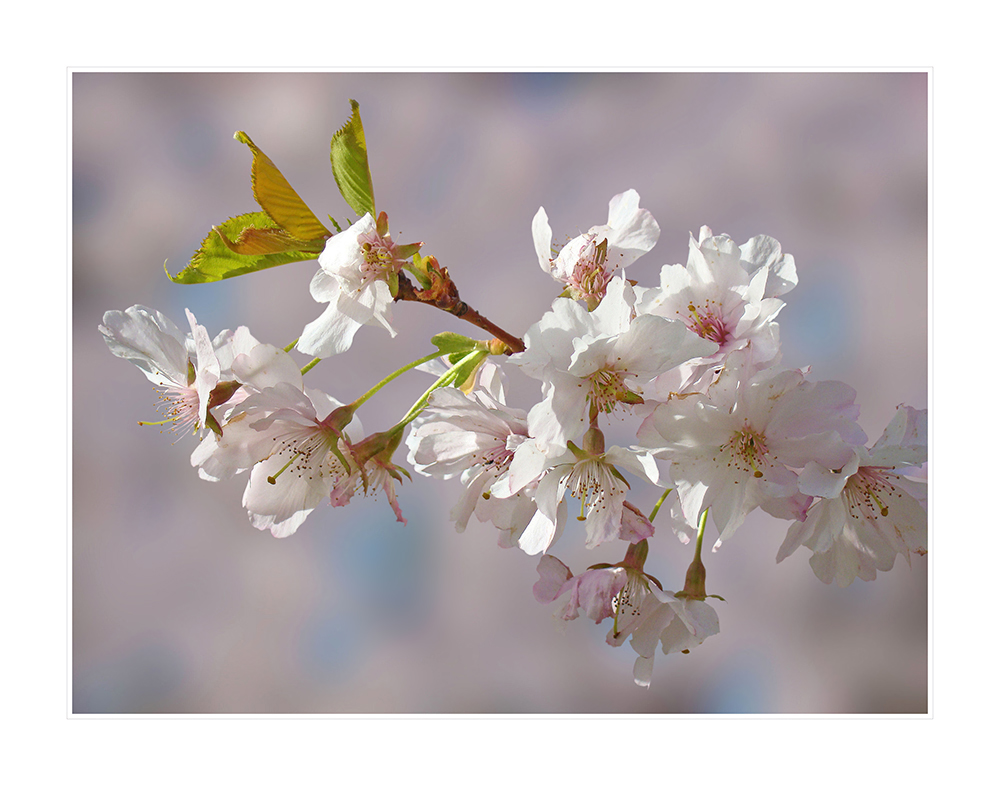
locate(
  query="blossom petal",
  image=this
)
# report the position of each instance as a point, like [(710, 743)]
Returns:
[(324, 288), (642, 671), (265, 366), (904, 441), (283, 505), (342, 256), (332, 333), (541, 233), (764, 253), (150, 341), (553, 575), (540, 533)]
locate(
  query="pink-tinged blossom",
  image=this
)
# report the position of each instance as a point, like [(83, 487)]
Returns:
[(635, 526), (593, 591), (588, 262), (734, 452), (286, 436), (866, 512), (635, 602), (598, 361), (475, 437), (358, 270), (186, 368), (722, 297), (372, 469)]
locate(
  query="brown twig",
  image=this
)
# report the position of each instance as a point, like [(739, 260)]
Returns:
[(443, 294)]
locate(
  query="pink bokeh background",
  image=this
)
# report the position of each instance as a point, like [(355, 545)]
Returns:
[(179, 605)]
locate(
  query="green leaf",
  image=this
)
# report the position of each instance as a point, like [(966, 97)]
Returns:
[(466, 374), (455, 343), (278, 198), (349, 158), (241, 245)]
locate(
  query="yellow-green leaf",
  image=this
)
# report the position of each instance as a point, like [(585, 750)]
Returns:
[(253, 241), (241, 245), (278, 198), (349, 158)]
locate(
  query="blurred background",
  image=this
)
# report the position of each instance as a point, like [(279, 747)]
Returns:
[(180, 605)]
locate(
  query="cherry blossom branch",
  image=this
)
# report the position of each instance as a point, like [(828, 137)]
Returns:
[(443, 294)]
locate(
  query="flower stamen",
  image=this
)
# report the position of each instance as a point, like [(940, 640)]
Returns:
[(607, 389), (707, 323), (748, 451), (867, 487), (628, 599)]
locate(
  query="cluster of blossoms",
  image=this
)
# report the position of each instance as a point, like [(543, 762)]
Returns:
[(720, 426)]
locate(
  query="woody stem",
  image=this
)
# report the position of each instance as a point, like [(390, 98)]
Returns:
[(453, 304), (471, 315)]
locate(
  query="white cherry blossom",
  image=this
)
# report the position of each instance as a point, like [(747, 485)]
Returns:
[(186, 368), (301, 466), (285, 435), (596, 362), (734, 452), (592, 477), (356, 278), (717, 298), (588, 262)]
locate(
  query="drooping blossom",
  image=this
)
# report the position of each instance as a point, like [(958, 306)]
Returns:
[(588, 262), (358, 271), (636, 603), (866, 512), (595, 482), (593, 591), (238, 447), (302, 465), (734, 450), (676, 624)]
